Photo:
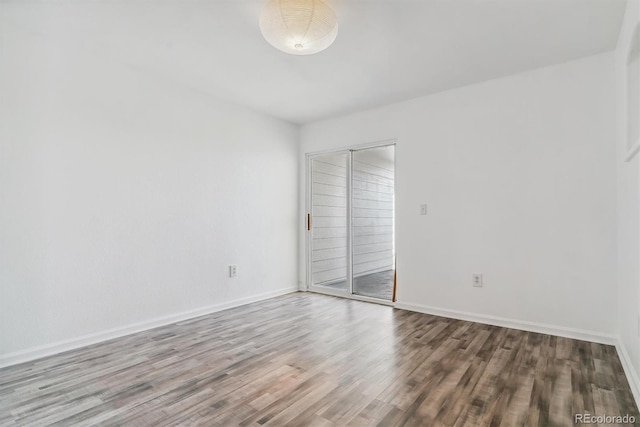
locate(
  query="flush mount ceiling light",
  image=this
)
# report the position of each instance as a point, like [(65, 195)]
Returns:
[(298, 27)]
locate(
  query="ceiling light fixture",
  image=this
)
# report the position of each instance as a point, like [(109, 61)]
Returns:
[(298, 27)]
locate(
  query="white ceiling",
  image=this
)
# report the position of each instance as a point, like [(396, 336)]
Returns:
[(386, 50)]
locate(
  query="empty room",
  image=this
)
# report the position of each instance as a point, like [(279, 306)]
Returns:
[(319, 212)]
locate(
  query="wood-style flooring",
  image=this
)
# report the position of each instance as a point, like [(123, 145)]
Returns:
[(308, 359), (375, 285)]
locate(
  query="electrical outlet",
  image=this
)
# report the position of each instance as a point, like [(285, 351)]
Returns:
[(423, 209), (233, 271), (477, 280)]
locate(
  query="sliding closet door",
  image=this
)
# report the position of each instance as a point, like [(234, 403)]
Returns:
[(351, 223), (372, 219), (328, 223)]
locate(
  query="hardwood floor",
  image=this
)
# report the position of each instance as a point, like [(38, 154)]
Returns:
[(375, 285), (308, 359)]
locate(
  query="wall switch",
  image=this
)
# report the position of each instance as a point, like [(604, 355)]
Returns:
[(233, 271), (477, 280), (423, 209)]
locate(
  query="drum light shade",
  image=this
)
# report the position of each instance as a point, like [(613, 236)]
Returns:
[(298, 27)]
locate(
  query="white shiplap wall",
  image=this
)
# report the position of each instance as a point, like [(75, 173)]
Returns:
[(329, 218), (372, 209)]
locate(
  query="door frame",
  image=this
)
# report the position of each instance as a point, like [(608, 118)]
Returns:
[(308, 196)]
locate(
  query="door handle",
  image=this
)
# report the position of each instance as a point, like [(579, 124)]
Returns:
[(308, 222)]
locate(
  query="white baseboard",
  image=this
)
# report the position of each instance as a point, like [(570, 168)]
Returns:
[(82, 341), (523, 325), (629, 370)]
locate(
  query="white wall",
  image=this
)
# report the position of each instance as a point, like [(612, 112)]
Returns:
[(124, 197), (372, 214), (329, 218), (373, 189), (519, 177), (627, 207)]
